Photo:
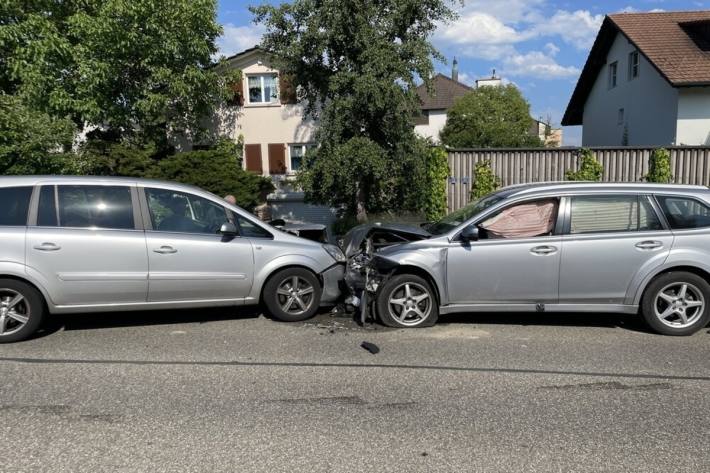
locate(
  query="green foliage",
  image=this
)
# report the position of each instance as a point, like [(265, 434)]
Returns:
[(138, 68), (434, 195), (31, 141), (216, 171), (484, 180), (490, 117), (356, 64), (659, 167), (589, 168)]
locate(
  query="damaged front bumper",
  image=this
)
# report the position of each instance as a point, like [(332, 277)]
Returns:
[(332, 279)]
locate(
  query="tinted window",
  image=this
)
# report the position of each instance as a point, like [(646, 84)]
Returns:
[(683, 212), (14, 203), (605, 214), (172, 211), (86, 207), (251, 230)]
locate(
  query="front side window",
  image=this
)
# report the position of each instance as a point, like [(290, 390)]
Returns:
[(172, 211), (685, 213), (633, 65), (14, 203), (77, 206), (251, 230), (611, 214), (263, 88), (612, 74), (524, 220)]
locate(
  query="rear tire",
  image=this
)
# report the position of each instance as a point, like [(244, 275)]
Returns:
[(407, 301), (292, 295), (21, 310), (677, 303)]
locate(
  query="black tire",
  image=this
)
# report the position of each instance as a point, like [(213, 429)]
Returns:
[(395, 288), (654, 305), (31, 306), (275, 301)]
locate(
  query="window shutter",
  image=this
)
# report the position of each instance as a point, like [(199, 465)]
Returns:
[(277, 158), (253, 158), (287, 90)]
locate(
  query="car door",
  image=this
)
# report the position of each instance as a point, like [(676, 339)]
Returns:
[(188, 258), (515, 266), (609, 240), (86, 245)]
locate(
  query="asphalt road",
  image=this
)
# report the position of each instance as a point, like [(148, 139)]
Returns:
[(230, 391)]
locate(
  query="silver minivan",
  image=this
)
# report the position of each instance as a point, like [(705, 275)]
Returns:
[(90, 244), (546, 247)]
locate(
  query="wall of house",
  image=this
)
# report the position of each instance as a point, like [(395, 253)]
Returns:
[(650, 104), (437, 120), (693, 116), (264, 123)]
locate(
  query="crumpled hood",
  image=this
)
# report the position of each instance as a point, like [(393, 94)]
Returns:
[(352, 241)]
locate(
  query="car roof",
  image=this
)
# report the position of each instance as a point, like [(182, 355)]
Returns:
[(6, 181), (567, 186)]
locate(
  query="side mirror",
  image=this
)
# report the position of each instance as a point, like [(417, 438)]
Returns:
[(469, 234), (228, 229)]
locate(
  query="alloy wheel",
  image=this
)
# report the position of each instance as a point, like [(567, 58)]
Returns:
[(14, 311), (410, 303), (679, 305), (295, 295)]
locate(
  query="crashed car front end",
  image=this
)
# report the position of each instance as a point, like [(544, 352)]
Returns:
[(365, 269)]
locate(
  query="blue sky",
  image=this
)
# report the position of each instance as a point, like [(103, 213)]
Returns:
[(539, 45)]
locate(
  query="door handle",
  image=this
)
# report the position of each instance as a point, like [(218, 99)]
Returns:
[(649, 245), (165, 250), (544, 250), (48, 246)]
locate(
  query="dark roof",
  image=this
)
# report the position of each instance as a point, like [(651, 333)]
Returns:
[(242, 53), (675, 43), (444, 93)]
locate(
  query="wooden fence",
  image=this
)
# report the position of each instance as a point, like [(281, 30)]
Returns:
[(690, 165)]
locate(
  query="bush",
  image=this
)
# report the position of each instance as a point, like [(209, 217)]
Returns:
[(434, 195), (484, 180), (589, 168), (217, 171), (659, 167)]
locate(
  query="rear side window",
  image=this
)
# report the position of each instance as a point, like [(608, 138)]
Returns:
[(611, 214), (14, 203), (108, 207), (684, 213)]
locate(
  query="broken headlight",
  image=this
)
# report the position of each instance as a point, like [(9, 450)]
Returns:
[(335, 252)]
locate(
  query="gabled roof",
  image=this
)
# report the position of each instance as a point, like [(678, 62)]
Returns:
[(445, 91), (677, 44)]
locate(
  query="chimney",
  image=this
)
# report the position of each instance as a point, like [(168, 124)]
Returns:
[(455, 70)]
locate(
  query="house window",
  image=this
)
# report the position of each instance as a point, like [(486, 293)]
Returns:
[(263, 88), (633, 65), (297, 151), (620, 117), (613, 67)]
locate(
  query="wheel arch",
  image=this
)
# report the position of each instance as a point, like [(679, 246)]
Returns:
[(688, 268), (423, 273), (45, 299), (275, 271)]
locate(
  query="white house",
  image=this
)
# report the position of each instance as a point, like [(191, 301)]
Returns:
[(267, 117), (646, 82)]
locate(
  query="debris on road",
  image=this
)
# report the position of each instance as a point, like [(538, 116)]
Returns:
[(371, 347)]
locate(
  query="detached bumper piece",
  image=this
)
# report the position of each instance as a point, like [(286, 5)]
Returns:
[(332, 283)]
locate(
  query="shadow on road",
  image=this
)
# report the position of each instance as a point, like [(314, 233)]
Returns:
[(91, 321)]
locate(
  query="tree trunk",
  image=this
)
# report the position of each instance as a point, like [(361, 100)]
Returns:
[(360, 211)]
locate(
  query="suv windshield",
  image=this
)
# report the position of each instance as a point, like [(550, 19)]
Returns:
[(454, 219)]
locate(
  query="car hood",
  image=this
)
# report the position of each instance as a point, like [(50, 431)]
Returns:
[(352, 241)]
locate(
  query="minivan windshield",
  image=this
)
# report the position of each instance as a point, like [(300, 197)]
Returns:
[(454, 219)]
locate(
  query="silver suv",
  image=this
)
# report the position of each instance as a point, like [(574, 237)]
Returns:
[(554, 247), (77, 244)]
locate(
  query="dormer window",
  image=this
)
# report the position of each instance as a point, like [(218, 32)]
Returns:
[(613, 69), (633, 65), (699, 32)]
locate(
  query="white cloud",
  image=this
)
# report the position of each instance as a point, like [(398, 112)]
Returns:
[(238, 38), (578, 28), (552, 49), (537, 64), (479, 29)]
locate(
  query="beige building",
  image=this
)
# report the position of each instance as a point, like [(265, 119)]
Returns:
[(267, 117)]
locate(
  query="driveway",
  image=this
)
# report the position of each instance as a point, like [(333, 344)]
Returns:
[(231, 391)]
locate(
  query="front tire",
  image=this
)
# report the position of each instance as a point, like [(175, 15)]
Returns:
[(676, 303), (292, 295), (407, 301), (21, 310)]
